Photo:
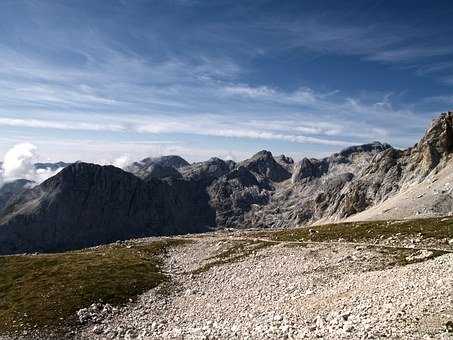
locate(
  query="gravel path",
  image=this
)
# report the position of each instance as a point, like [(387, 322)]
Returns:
[(280, 291)]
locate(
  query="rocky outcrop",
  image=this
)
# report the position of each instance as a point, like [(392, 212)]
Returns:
[(393, 170), (264, 165), (286, 162), (433, 149), (233, 195), (355, 179), (87, 204), (309, 169), (208, 171)]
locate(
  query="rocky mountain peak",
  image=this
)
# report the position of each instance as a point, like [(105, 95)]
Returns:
[(206, 171), (264, 165), (307, 169), (82, 170), (262, 155), (369, 147), (286, 162), (143, 167), (169, 161), (434, 148), (88, 204), (439, 136), (162, 172)]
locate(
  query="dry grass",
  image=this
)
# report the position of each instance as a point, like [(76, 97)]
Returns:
[(42, 293), (435, 228)]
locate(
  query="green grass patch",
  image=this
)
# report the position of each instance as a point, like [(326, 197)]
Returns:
[(236, 252), (44, 292), (437, 228)]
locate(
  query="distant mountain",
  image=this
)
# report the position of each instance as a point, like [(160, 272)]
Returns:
[(13, 188), (144, 167), (264, 165), (286, 162), (207, 171), (87, 204), (162, 172)]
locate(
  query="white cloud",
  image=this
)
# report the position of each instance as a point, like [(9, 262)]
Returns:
[(301, 96), (148, 95), (267, 135), (122, 161), (106, 152), (18, 163), (316, 118), (244, 90), (204, 125), (59, 125)]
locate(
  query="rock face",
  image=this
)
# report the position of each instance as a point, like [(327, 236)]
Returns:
[(207, 171), (357, 178), (265, 166), (393, 170), (233, 195), (87, 204), (286, 162)]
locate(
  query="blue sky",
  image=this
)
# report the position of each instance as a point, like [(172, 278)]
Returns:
[(96, 80)]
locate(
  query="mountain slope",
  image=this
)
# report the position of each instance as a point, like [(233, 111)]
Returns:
[(87, 204), (358, 178), (11, 189), (431, 197)]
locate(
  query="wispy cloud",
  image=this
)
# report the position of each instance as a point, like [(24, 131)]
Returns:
[(411, 53), (385, 41), (60, 125), (125, 79), (205, 125)]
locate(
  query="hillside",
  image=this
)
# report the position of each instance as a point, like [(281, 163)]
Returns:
[(87, 204), (288, 283)]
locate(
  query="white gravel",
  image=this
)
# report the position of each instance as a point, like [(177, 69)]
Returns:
[(282, 292)]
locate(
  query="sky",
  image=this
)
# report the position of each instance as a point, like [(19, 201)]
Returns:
[(97, 80)]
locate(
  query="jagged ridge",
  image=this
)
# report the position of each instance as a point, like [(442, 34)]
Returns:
[(88, 204)]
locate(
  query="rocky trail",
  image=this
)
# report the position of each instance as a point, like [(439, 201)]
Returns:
[(240, 285)]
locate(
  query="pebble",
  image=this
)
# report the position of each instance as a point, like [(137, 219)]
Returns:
[(297, 293)]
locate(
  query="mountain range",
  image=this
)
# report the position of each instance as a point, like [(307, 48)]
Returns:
[(87, 204)]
